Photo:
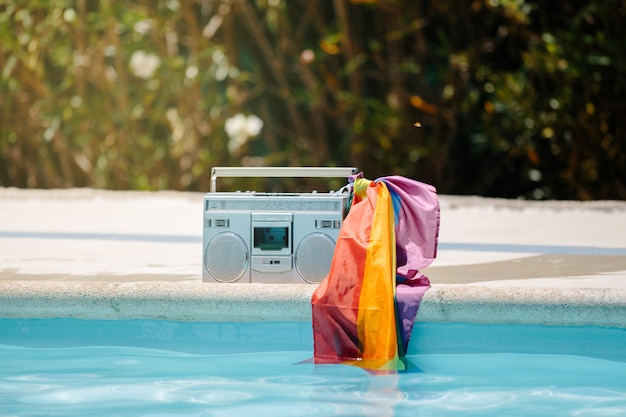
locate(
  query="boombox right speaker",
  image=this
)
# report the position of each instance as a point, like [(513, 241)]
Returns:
[(313, 257)]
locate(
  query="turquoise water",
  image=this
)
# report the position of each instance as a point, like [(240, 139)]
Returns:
[(159, 368)]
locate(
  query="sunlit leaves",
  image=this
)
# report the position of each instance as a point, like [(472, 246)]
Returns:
[(514, 98)]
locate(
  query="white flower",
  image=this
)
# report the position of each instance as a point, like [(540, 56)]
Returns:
[(253, 125), (143, 26), (234, 125), (144, 65), (191, 72), (241, 128)]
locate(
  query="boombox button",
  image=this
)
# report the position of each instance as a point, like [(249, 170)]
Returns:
[(272, 264)]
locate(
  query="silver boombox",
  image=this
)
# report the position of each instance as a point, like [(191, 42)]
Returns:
[(268, 237)]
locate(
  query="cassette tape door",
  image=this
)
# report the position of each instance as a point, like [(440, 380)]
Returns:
[(271, 238)]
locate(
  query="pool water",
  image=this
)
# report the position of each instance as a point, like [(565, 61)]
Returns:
[(159, 368)]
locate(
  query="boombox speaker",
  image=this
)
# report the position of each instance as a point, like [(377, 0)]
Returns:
[(271, 238), (226, 257), (313, 256)]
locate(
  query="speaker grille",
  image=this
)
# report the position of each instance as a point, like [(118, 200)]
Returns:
[(226, 257), (313, 257)]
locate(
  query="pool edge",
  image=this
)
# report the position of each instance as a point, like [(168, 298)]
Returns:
[(196, 301)]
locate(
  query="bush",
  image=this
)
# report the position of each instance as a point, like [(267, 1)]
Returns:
[(514, 98)]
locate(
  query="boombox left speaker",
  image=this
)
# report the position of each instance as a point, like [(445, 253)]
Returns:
[(226, 257)]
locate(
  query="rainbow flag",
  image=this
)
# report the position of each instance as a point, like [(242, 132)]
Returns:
[(363, 312)]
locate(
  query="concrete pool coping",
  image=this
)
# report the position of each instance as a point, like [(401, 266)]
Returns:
[(97, 254), (291, 302)]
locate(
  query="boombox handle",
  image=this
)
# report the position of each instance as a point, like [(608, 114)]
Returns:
[(301, 172)]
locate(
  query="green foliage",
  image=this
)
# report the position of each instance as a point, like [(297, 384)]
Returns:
[(514, 98)]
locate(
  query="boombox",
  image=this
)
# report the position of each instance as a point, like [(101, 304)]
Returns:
[(263, 237)]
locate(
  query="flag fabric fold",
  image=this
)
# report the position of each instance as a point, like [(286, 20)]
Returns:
[(363, 312)]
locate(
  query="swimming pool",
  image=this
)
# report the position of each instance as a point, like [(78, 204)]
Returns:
[(153, 367)]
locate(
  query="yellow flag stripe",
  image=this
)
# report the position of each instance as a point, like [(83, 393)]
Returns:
[(376, 322)]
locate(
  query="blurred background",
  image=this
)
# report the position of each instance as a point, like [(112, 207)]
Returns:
[(500, 98)]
